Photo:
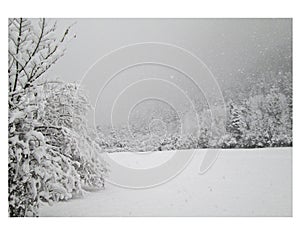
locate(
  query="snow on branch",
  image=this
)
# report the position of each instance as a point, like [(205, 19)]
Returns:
[(33, 49)]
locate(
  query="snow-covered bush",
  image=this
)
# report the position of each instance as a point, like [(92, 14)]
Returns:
[(36, 172), (26, 148), (66, 107), (53, 154)]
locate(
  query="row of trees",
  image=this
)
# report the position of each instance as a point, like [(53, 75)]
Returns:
[(262, 120), (53, 154)]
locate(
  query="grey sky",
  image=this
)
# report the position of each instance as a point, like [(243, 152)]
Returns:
[(229, 47), (220, 43)]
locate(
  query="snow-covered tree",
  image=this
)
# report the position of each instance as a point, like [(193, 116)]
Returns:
[(53, 154), (235, 123), (26, 148), (66, 108), (33, 48)]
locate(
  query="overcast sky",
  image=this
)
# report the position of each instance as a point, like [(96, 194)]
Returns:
[(229, 47)]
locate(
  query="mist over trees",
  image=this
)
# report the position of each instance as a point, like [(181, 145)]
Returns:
[(259, 114)]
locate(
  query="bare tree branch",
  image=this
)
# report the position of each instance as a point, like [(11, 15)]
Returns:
[(37, 45), (17, 64)]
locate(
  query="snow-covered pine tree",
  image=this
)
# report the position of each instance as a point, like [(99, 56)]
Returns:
[(278, 118), (235, 125)]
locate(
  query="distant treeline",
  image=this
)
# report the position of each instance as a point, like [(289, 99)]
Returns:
[(261, 120)]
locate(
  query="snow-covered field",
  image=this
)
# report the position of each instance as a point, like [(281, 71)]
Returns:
[(240, 183)]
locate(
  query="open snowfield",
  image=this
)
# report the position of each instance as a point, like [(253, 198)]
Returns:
[(240, 183)]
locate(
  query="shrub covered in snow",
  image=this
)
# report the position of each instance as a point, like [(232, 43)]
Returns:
[(53, 154), (66, 107), (26, 148)]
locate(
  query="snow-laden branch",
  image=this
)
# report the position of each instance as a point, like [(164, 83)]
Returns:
[(33, 49)]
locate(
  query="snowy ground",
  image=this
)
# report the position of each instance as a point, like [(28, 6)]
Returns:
[(240, 183)]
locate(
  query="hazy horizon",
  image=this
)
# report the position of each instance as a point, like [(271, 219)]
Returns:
[(234, 50)]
